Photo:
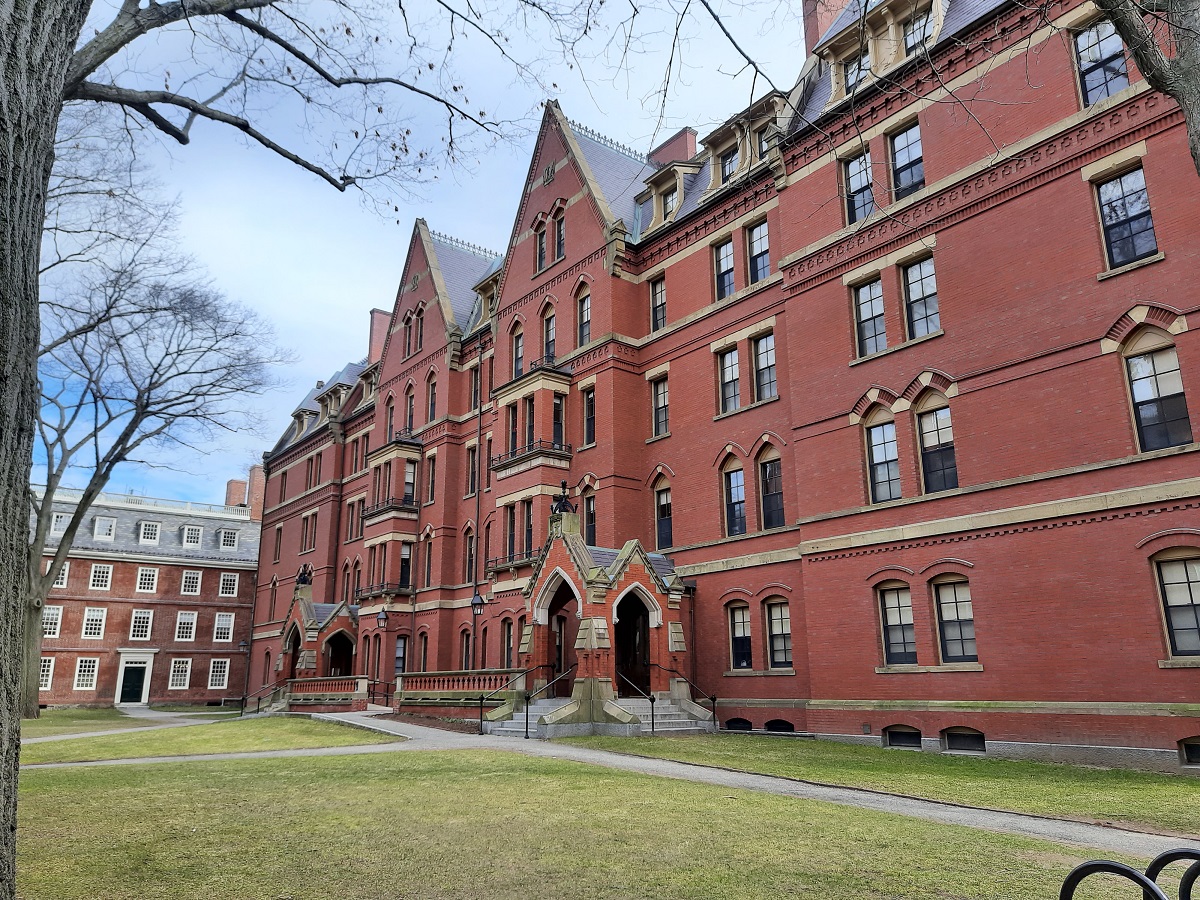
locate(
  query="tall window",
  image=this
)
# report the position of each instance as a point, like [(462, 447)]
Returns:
[(428, 562), (868, 312), (899, 635), (560, 237), (1180, 582), (548, 338), (223, 627), (729, 163), (510, 521), (529, 422), (723, 260), (584, 318), (760, 252), (512, 427), (1101, 56), (764, 368), (921, 299), (670, 199), (410, 482), (420, 327), (218, 674), (410, 416), (181, 675), (739, 637), (408, 333), (147, 580), (727, 366), (86, 668), (527, 520), (937, 450), (956, 621), (779, 633), (884, 462), (518, 355), (431, 479), (659, 400), (406, 564), (1125, 215), (472, 467), (908, 165), (390, 420), (51, 621), (1159, 405), (860, 202), (101, 578), (541, 248), (770, 480), (662, 517), (93, 623), (140, 623), (557, 420), (475, 388), (735, 502), (60, 580), (185, 626), (469, 557), (46, 673), (658, 304), (401, 657), (589, 416), (506, 644), (431, 395), (589, 519)]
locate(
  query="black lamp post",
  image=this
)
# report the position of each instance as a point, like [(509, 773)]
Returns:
[(477, 604), (245, 648)]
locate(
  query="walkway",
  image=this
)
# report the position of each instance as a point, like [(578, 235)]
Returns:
[(163, 720), (418, 738)]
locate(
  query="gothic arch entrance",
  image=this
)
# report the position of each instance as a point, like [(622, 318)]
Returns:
[(293, 652), (563, 619), (631, 635), (339, 655)]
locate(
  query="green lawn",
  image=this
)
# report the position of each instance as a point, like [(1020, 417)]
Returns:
[(195, 708), (1158, 802), (485, 824), (72, 721), (237, 736)]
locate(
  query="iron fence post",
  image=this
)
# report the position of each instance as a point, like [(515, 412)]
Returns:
[(527, 715)]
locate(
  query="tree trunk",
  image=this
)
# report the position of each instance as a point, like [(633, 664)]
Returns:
[(32, 651), (37, 38)]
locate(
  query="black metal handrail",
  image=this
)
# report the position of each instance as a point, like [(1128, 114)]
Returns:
[(387, 587), (1147, 882), (712, 698), (504, 686), (547, 362), (408, 503), (529, 695), (258, 695), (403, 435), (649, 697), (528, 449), (373, 691), (513, 559)]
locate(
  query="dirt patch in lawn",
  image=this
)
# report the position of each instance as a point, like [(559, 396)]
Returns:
[(462, 726)]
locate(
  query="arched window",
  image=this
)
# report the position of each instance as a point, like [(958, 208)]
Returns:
[(883, 457), (420, 337), (357, 578), (346, 583), (963, 740), (1156, 386), (904, 737), (540, 238), (780, 725), (391, 419), (939, 471), (408, 336), (431, 398), (1189, 751), (506, 643), (956, 619), (560, 236), (738, 724), (663, 527), (583, 317), (365, 656), (1179, 583), (899, 633), (469, 556), (741, 654), (518, 353), (464, 650), (424, 652), (589, 518), (770, 488), (274, 595), (482, 650), (733, 484), (410, 409), (548, 335)]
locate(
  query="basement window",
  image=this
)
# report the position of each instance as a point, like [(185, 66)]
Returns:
[(963, 740), (1189, 751), (902, 737)]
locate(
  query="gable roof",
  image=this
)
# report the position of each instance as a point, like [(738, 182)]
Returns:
[(462, 267), (619, 172)]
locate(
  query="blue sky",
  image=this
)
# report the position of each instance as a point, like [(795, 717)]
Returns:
[(315, 261)]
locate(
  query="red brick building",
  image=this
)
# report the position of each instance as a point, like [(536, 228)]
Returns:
[(154, 602), (894, 368)]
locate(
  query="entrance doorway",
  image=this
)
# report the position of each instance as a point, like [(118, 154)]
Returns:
[(293, 652), (564, 628), (339, 651), (133, 682), (632, 634)]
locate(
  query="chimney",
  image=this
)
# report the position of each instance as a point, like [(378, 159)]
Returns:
[(235, 492), (818, 16), (680, 147), (379, 327), (256, 495)]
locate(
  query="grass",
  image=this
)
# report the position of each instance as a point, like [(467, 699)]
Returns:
[(1136, 799), (73, 721), (238, 736), (195, 708), (485, 824)]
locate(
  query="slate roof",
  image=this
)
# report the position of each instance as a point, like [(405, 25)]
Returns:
[(322, 611), (620, 173), (606, 556), (959, 14), (463, 266)]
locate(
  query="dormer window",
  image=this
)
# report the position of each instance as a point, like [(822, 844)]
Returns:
[(192, 535), (729, 163), (148, 532), (917, 31), (670, 199), (856, 68), (760, 141), (227, 539), (104, 528)]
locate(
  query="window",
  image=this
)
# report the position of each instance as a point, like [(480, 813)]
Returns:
[(192, 535), (770, 480), (527, 519), (228, 585), (660, 402), (735, 502), (585, 319), (589, 416), (855, 69), (405, 564), (937, 450), (420, 320), (764, 368), (218, 674), (518, 355), (512, 426), (408, 322), (148, 532), (101, 579), (670, 199), (723, 259), (472, 470), (541, 248), (1159, 405), (506, 644), (86, 669), (589, 520), (902, 736), (868, 313), (557, 417), (60, 580), (431, 396), (899, 636), (147, 580), (884, 462), (464, 650), (429, 562), (410, 416), (46, 673), (727, 364), (410, 482), (548, 338), (964, 740), (469, 558), (729, 163), (908, 166), (560, 237), (51, 621), (921, 299), (760, 252), (229, 538), (1180, 582), (1101, 56), (223, 628), (529, 422), (185, 626), (104, 528), (1125, 215), (278, 542), (860, 202), (487, 469), (181, 675), (510, 519), (658, 304), (917, 31), (431, 465), (956, 621), (59, 522), (475, 388), (760, 141), (308, 533), (779, 634), (401, 657), (662, 517), (739, 637), (140, 624), (93, 622)]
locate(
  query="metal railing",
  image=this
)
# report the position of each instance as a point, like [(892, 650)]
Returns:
[(529, 449), (257, 696), (388, 587), (380, 692), (1147, 882), (519, 558), (403, 435), (712, 698), (529, 695), (641, 693), (547, 362), (407, 503), (507, 684)]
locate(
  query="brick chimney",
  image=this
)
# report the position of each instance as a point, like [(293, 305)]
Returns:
[(235, 492), (379, 327), (680, 147), (257, 492), (818, 16)]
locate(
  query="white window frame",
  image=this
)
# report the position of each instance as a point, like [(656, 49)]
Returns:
[(100, 568), (151, 575), (78, 685), (155, 528), (100, 533), (87, 614), (199, 536), (232, 592), (133, 620), (213, 683), (222, 534), (183, 582), (59, 518), (57, 617), (189, 618), (60, 580), (185, 669), (46, 673), (217, 626)]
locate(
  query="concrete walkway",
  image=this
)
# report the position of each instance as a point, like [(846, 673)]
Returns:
[(420, 738), (161, 719)]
